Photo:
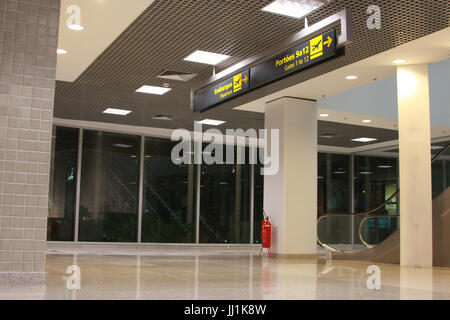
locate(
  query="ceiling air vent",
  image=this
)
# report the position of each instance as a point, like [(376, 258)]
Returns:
[(329, 136), (176, 75), (162, 117)]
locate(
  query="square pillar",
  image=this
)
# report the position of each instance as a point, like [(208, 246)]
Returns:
[(290, 196), (416, 234), (28, 43)]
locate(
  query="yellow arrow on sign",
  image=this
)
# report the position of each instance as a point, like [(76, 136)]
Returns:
[(329, 41), (245, 79)]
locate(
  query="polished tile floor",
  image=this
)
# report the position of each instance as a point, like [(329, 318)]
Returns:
[(226, 274)]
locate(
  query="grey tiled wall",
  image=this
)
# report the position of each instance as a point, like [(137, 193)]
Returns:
[(28, 42)]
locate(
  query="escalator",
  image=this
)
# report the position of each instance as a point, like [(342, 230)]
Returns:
[(374, 235)]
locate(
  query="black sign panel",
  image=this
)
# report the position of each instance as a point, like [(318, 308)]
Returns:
[(224, 91), (294, 60)]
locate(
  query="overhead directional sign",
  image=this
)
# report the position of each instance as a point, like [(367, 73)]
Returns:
[(286, 63), (304, 55), (223, 91)]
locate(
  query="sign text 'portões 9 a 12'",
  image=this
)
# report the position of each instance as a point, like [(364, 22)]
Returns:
[(284, 64)]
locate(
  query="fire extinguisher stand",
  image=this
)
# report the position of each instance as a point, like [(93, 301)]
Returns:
[(266, 235)]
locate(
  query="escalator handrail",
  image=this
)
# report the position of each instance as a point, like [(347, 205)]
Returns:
[(368, 245), (435, 157)]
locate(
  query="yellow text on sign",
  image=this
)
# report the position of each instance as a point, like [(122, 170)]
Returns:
[(316, 47)]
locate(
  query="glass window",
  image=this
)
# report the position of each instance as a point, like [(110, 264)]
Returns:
[(169, 193), (333, 183), (447, 170), (259, 203), (375, 181), (224, 204), (63, 182), (438, 178), (109, 187)]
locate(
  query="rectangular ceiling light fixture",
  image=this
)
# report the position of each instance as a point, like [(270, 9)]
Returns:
[(211, 122), (365, 140), (153, 90), (118, 112), (294, 8), (206, 57)]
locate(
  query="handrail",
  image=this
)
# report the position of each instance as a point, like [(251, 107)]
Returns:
[(434, 158), (368, 245)]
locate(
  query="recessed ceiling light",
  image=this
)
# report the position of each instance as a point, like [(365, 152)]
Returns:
[(206, 57), (384, 167), (399, 61), (294, 8), (119, 112), (153, 90), (211, 122), (324, 115), (367, 121), (366, 173), (437, 147), (76, 27), (365, 140), (61, 51), (351, 77)]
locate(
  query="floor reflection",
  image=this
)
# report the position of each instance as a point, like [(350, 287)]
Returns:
[(229, 276)]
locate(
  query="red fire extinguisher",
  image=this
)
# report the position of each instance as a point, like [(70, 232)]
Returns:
[(266, 234)]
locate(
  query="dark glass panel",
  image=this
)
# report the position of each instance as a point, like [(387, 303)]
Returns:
[(224, 205), (375, 181), (169, 191), (333, 183), (259, 203), (109, 187), (63, 182)]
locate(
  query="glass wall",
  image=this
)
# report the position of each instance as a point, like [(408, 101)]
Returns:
[(63, 182), (224, 203), (109, 187), (169, 209), (376, 179), (438, 177), (259, 203), (333, 183)]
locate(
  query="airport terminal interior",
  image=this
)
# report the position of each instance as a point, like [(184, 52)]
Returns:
[(210, 149)]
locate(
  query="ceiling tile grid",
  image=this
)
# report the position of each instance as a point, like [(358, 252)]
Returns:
[(169, 30)]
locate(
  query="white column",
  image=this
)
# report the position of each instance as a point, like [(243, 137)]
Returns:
[(290, 196), (416, 247)]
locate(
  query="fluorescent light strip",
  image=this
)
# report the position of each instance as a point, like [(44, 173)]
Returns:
[(364, 139), (206, 57), (119, 112), (153, 90), (122, 145), (293, 9), (211, 122)]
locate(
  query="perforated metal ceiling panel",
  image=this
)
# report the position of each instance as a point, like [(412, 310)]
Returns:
[(170, 30)]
